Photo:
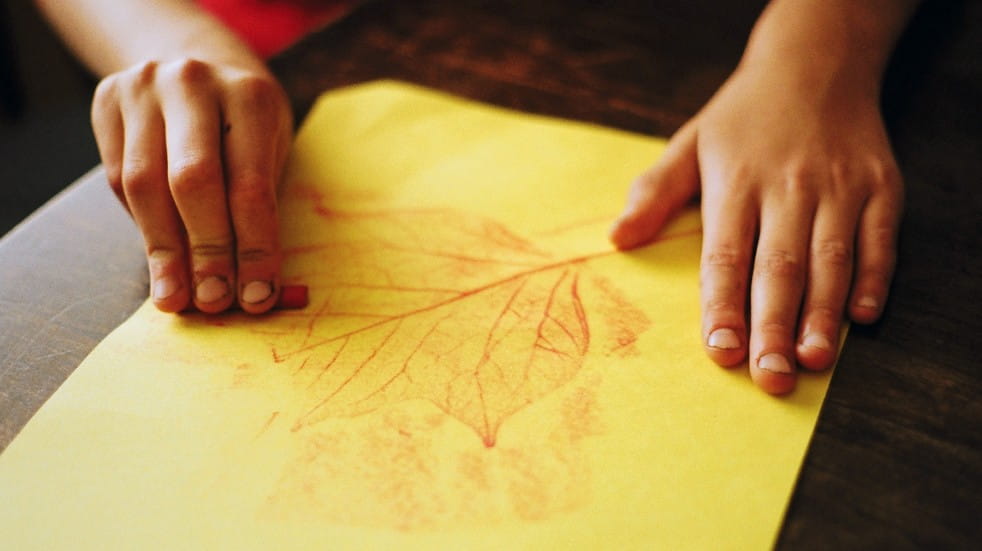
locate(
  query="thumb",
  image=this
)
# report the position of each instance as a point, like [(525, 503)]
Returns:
[(659, 192)]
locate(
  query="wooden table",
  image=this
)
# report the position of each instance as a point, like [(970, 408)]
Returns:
[(896, 461)]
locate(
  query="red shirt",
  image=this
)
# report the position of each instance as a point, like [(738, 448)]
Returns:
[(269, 26)]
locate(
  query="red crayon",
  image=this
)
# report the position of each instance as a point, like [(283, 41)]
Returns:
[(293, 297)]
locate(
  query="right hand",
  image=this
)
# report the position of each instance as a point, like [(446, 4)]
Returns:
[(195, 151), (801, 204)]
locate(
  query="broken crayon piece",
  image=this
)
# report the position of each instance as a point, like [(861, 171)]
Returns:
[(292, 297)]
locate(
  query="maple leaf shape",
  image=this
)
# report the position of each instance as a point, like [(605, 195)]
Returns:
[(439, 305)]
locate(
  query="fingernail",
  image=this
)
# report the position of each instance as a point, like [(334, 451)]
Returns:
[(867, 302), (256, 291), (724, 339), (615, 233), (165, 287), (613, 230), (816, 340), (210, 289), (775, 363)]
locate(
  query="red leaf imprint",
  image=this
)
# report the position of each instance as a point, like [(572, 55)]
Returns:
[(446, 307)]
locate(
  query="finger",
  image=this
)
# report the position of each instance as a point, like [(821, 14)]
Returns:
[(876, 254), (659, 192), (829, 275), (144, 182), (107, 125), (194, 160), (255, 145), (729, 227), (776, 289)]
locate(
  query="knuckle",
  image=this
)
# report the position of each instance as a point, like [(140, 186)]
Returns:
[(143, 74), (251, 188), (886, 174), (190, 174), (737, 176), (740, 170), (799, 178), (834, 253), (188, 71), (779, 264), (796, 172), (724, 271), (257, 92), (114, 177), (725, 258), (138, 179), (105, 92), (218, 248), (839, 173), (256, 255)]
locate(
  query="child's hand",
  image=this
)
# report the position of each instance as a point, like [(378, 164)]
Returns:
[(194, 151), (801, 202)]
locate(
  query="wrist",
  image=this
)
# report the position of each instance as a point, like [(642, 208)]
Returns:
[(815, 45), (812, 74)]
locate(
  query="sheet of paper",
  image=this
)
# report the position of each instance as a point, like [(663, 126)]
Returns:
[(478, 369)]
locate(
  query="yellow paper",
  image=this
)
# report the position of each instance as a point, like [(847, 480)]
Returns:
[(478, 369)]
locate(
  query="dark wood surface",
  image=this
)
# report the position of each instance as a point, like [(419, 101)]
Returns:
[(896, 460)]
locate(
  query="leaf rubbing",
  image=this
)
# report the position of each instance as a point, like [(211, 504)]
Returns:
[(446, 307)]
